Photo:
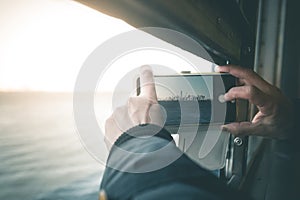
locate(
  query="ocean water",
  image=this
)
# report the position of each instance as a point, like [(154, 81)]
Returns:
[(41, 155)]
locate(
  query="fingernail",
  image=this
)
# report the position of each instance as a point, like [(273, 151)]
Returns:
[(224, 128), (225, 96), (217, 68), (221, 98), (145, 67)]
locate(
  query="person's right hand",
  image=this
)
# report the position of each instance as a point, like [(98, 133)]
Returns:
[(274, 118), (139, 110)]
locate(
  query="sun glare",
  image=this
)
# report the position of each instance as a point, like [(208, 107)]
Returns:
[(43, 43)]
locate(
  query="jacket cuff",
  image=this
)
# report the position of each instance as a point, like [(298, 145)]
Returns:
[(143, 131)]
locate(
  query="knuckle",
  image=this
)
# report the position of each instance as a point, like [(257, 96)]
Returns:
[(131, 100), (235, 92), (249, 72), (232, 92), (134, 103), (236, 131), (109, 121), (251, 91), (275, 90)]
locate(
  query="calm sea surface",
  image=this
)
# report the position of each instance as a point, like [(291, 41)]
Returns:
[(41, 154)]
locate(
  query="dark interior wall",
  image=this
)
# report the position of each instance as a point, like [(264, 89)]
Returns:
[(290, 83), (275, 174), (249, 10)]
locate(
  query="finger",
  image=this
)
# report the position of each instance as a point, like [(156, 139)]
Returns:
[(241, 81), (112, 132), (251, 93), (246, 75), (239, 72), (258, 117), (158, 115), (236, 71), (147, 83), (254, 129), (138, 110), (244, 128), (122, 119)]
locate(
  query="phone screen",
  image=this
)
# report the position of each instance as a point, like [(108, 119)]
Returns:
[(189, 92), (195, 99)]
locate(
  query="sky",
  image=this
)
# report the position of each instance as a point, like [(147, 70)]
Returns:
[(43, 44)]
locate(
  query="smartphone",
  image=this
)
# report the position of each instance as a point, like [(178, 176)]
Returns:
[(195, 99)]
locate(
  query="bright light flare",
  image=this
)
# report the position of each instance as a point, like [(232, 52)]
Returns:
[(43, 43)]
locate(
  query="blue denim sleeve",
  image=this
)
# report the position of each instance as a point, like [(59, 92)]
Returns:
[(145, 163)]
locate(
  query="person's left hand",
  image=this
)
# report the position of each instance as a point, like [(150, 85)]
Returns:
[(274, 118), (142, 109)]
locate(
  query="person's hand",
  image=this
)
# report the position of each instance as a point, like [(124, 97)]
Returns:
[(142, 109), (274, 118)]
